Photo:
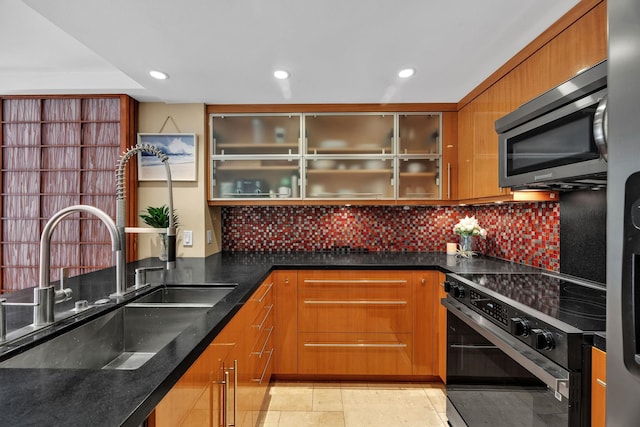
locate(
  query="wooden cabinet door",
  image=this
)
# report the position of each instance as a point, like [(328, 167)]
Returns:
[(189, 401), (424, 321), (440, 329), (286, 357), (598, 387)]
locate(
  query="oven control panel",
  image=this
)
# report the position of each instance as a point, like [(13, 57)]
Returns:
[(491, 308)]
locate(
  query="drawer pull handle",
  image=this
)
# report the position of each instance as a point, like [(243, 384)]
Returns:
[(269, 286), (264, 371), (266, 316), (602, 383), (347, 281), (361, 345), (261, 352), (356, 302)]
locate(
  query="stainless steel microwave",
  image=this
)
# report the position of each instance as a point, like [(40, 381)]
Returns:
[(558, 139)]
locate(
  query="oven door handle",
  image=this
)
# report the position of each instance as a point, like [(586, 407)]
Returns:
[(552, 374)]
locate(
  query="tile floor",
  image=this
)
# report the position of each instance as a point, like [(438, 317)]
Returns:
[(354, 405)]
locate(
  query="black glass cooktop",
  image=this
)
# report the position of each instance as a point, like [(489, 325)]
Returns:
[(580, 305)]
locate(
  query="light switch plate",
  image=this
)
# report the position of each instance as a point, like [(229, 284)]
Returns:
[(187, 238)]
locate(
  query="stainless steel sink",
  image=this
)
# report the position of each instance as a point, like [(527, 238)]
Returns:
[(123, 339), (185, 296)]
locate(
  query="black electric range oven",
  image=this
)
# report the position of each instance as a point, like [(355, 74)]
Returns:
[(517, 352)]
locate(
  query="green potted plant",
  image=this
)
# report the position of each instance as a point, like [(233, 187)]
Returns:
[(158, 217)]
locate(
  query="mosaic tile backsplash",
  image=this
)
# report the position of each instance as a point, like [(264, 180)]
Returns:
[(527, 233)]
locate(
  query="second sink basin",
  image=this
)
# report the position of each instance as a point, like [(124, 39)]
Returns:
[(186, 296), (123, 339)]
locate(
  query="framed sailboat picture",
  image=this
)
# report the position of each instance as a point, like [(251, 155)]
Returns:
[(181, 148)]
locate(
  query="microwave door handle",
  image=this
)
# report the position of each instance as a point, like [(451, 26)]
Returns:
[(600, 123)]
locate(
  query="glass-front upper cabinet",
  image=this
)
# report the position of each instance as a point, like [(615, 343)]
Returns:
[(419, 156), (256, 134), (255, 156), (349, 133), (256, 179), (349, 178)]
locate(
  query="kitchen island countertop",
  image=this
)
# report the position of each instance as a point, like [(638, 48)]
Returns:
[(81, 397)]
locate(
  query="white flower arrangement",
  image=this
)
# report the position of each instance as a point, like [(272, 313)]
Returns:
[(468, 227)]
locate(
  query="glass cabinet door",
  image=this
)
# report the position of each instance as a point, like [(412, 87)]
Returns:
[(419, 133), (256, 179), (340, 134), (349, 178), (256, 134), (419, 178)]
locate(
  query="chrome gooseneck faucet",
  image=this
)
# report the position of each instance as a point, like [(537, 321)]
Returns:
[(121, 209), (45, 296)]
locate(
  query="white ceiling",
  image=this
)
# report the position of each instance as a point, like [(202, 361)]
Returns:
[(219, 52)]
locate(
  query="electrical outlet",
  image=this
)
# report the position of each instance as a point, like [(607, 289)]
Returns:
[(209, 237), (187, 238)]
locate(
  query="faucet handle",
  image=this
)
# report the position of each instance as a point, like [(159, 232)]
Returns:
[(141, 276)]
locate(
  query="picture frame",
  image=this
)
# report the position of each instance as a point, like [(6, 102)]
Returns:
[(182, 150)]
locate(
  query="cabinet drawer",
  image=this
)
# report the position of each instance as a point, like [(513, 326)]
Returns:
[(262, 297), (262, 360), (354, 301), (361, 315), (354, 354)]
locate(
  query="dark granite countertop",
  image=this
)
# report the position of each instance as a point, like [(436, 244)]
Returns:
[(82, 397)]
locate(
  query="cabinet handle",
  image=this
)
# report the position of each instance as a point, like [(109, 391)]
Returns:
[(225, 400), (266, 316), (286, 281), (261, 352), (448, 181), (423, 280), (358, 345), (602, 383), (266, 367), (269, 286), (235, 393), (356, 302), (370, 281)]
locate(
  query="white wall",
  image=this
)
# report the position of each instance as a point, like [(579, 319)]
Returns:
[(189, 198)]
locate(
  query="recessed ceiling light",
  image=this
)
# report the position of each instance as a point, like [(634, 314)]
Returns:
[(158, 75), (281, 74), (407, 72)]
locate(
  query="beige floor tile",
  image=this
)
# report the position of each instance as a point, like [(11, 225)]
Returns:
[(327, 399), (290, 398), (438, 398), (311, 419), (357, 399), (355, 385), (269, 418), (376, 416)]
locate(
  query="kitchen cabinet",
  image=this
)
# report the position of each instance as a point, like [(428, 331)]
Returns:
[(572, 44), (419, 156), (228, 382), (255, 156), (598, 387), (386, 157), (286, 360), (354, 322), (440, 329), (424, 322), (336, 323), (349, 155)]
